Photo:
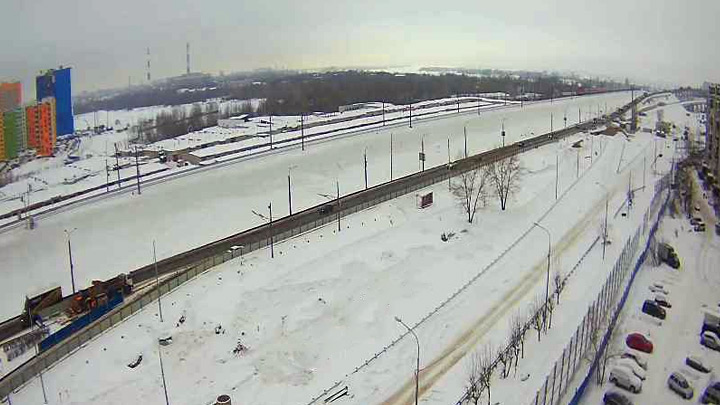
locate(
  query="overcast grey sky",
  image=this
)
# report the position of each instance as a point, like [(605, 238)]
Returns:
[(105, 41)]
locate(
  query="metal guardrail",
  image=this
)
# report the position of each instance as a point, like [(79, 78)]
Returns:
[(189, 264)]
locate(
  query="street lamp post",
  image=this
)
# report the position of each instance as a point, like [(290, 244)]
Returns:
[(157, 282), (417, 364), (605, 221), (547, 277), (502, 131), (72, 266)]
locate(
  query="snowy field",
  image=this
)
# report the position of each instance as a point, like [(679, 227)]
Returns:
[(326, 302), (115, 235)]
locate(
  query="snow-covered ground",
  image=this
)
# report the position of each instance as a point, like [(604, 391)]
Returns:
[(326, 303), (115, 235)]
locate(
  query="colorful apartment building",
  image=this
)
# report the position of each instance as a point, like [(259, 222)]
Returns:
[(41, 127), (10, 96), (13, 132)]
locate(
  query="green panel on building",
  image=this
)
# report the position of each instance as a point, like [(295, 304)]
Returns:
[(14, 132)]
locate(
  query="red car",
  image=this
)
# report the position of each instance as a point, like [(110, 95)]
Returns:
[(639, 342)]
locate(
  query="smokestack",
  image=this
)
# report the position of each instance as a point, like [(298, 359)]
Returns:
[(187, 56)]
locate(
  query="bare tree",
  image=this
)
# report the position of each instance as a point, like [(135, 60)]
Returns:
[(505, 176), (473, 384), (505, 357), (606, 355), (559, 284), (517, 338), (537, 315), (469, 188)]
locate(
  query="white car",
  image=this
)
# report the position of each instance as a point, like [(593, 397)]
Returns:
[(632, 366), (639, 358), (659, 288), (624, 378)]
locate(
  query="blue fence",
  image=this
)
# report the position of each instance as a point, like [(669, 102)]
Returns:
[(606, 338), (80, 323)]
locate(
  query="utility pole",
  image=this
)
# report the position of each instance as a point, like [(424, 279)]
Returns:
[(137, 169), (448, 152), (42, 381), (162, 374), (337, 189), (107, 177), (579, 115), (502, 132), (465, 135), (366, 167), (117, 164), (478, 105), (547, 279), (271, 145), (644, 169), (272, 247), (577, 165), (422, 152), (302, 131), (565, 118), (157, 282), (391, 156), (551, 121), (557, 170), (605, 224), (289, 194), (72, 265), (383, 113), (458, 106), (411, 114)]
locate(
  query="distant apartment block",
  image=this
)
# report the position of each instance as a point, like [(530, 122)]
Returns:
[(13, 132), (713, 129), (10, 96), (56, 83), (41, 128)]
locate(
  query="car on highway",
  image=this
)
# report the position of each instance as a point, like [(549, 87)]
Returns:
[(639, 342), (639, 358), (696, 364), (678, 383), (616, 398), (326, 209), (711, 394), (662, 300), (710, 340), (624, 378), (653, 309)]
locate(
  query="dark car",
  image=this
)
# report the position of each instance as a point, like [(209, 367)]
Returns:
[(653, 309), (326, 209), (711, 394), (696, 364), (616, 398)]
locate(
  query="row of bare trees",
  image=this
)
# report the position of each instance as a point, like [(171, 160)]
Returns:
[(483, 363), (472, 188)]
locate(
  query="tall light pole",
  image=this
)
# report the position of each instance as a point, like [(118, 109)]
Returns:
[(417, 364), (557, 170), (72, 266), (162, 374), (502, 131), (366, 167), (157, 282), (302, 131), (547, 277), (465, 135), (551, 121), (391, 156), (269, 219), (289, 183), (605, 221)]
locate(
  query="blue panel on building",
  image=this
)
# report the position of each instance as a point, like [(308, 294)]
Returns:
[(57, 84), (63, 102)]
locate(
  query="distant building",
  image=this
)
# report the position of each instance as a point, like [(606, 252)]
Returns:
[(41, 127), (712, 126), (56, 83), (13, 133), (2, 137), (10, 96)]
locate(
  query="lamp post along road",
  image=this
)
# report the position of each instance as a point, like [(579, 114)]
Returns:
[(417, 364), (157, 282), (72, 265), (547, 277)]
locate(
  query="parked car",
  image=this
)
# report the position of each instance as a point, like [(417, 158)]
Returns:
[(699, 227), (717, 228), (659, 288), (710, 339), (624, 378), (632, 366), (639, 342), (678, 383), (636, 356), (662, 300), (695, 220), (616, 398), (653, 309), (711, 394), (696, 363)]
